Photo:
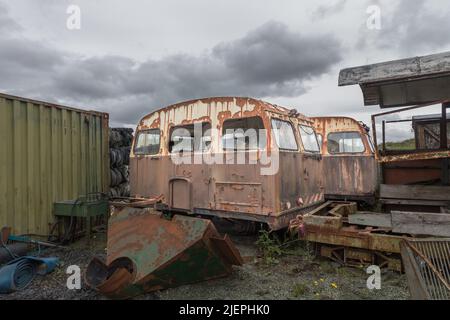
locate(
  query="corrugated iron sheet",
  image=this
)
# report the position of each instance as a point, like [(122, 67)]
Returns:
[(48, 153)]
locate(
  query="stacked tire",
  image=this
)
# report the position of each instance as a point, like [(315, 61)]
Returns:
[(120, 140)]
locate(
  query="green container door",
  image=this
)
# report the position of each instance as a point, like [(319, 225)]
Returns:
[(49, 153)]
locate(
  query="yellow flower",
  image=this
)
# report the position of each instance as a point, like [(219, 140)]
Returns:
[(316, 283), (334, 285), (322, 280)]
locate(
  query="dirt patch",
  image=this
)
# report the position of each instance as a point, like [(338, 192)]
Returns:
[(295, 275)]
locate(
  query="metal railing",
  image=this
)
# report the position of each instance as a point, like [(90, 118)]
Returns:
[(427, 266)]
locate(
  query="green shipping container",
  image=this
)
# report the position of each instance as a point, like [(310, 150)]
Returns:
[(48, 153)]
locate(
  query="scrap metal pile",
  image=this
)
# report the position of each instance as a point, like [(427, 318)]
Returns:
[(330, 227), (351, 237)]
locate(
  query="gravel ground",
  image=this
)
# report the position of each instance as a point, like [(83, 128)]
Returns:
[(296, 275)]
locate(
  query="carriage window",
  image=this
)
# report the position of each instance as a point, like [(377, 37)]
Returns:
[(345, 142), (243, 134), (195, 137), (309, 139), (147, 142), (284, 134)]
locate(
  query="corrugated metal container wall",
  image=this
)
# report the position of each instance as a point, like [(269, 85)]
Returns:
[(48, 153)]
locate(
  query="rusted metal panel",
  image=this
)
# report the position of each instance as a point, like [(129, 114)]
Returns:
[(148, 251), (349, 176), (228, 187), (328, 225), (49, 153), (412, 171), (441, 154)]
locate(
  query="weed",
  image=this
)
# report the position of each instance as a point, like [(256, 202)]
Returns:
[(300, 289), (326, 267), (269, 244), (272, 247)]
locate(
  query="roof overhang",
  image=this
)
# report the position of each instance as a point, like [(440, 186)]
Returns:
[(405, 82)]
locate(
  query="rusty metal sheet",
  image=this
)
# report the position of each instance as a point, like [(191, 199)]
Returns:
[(412, 171), (328, 225), (122, 202), (415, 156), (148, 251)]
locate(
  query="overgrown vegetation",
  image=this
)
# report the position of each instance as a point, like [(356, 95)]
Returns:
[(272, 247), (299, 290), (409, 144)]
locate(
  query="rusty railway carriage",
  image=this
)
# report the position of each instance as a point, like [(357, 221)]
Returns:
[(270, 192), (350, 167)]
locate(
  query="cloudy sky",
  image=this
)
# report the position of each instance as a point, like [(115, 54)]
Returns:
[(131, 57)]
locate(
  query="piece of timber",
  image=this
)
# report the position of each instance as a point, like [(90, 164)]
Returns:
[(354, 238), (371, 219), (416, 202), (415, 192), (421, 223)]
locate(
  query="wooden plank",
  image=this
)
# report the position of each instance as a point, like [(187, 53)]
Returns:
[(371, 219), (421, 223), (415, 202), (407, 69), (415, 192)]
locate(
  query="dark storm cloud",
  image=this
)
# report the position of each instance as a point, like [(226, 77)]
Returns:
[(93, 78), (414, 27), (272, 54), (269, 61), (27, 67)]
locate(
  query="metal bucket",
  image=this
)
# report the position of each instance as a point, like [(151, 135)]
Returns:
[(148, 251)]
